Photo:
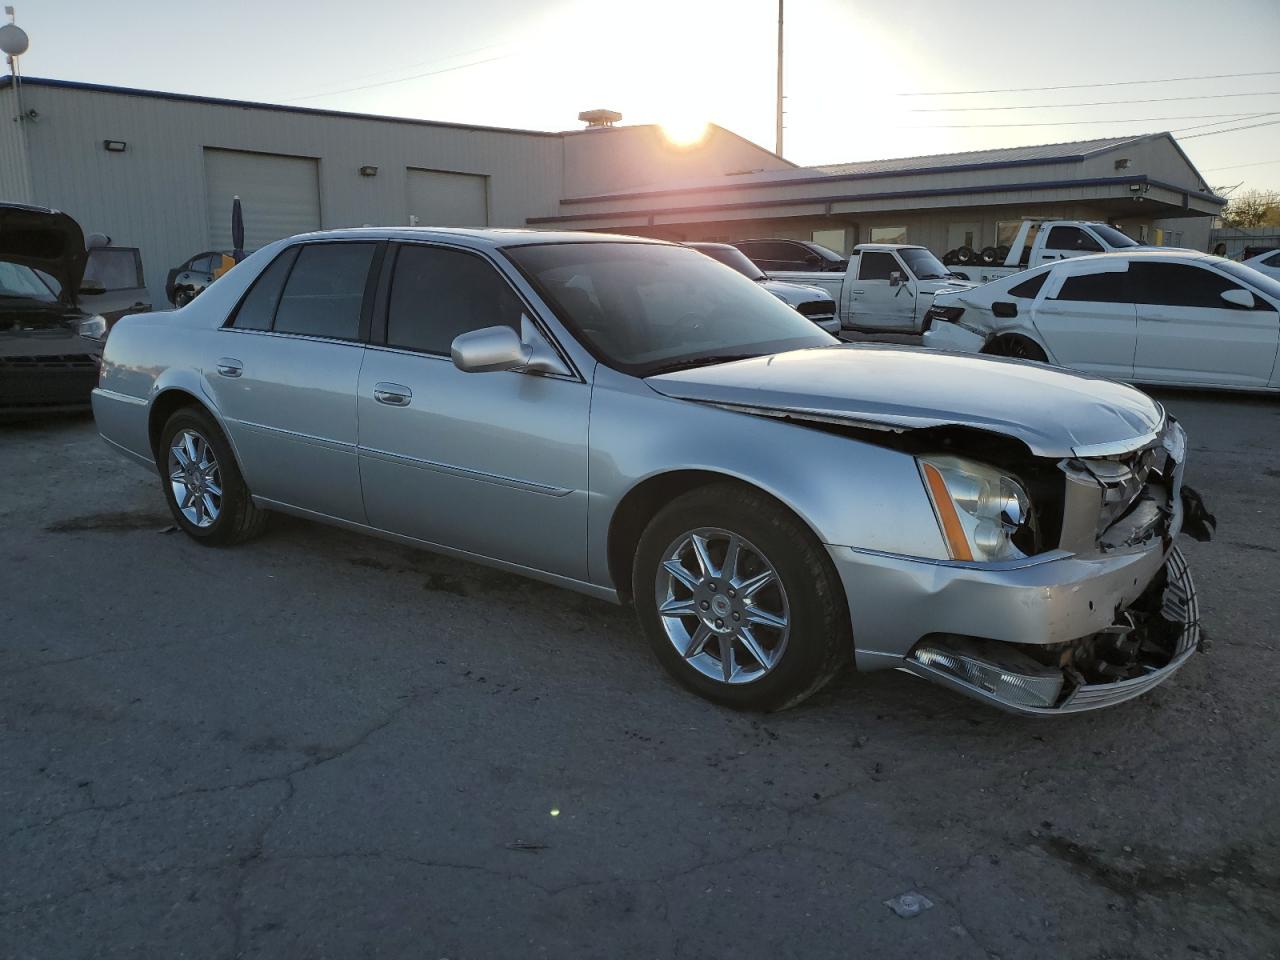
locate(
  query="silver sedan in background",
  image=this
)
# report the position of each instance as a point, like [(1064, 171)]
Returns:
[(632, 420)]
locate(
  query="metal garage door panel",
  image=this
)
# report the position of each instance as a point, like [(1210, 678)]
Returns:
[(280, 196), (440, 198)]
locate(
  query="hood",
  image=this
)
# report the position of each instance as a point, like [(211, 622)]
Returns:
[(45, 240), (1055, 412), (794, 294), (949, 285)]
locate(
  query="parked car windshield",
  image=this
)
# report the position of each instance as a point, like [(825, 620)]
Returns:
[(644, 308), (825, 252), (923, 264), (18, 281), (731, 257), (1113, 236), (1245, 274)]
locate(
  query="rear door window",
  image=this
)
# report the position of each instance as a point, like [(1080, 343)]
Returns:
[(1096, 288), (1028, 289), (258, 308), (325, 291)]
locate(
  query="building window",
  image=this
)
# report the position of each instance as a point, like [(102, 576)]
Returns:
[(832, 240), (888, 234)]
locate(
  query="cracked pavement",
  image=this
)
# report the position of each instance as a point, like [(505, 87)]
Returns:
[(323, 745)]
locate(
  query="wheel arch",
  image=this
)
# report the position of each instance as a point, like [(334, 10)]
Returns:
[(1000, 337), (639, 505), (166, 403)]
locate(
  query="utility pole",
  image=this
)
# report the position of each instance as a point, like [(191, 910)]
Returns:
[(778, 148)]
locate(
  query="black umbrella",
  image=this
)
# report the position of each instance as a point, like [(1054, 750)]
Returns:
[(237, 230)]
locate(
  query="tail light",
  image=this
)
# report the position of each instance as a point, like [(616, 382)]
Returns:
[(951, 314)]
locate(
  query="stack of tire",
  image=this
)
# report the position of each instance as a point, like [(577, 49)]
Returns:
[(964, 255)]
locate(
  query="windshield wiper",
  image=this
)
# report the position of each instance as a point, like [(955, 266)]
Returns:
[(691, 362)]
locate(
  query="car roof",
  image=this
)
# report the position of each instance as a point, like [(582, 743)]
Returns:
[(488, 237), (1156, 253)]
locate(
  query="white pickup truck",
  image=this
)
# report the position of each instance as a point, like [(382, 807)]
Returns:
[(887, 287), (1037, 242)]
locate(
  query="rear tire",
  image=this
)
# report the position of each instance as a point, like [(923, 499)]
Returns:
[(772, 667), (202, 482), (1017, 347)]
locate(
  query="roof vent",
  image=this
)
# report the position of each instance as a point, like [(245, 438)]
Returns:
[(599, 118)]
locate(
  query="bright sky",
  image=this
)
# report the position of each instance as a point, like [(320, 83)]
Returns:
[(851, 66)]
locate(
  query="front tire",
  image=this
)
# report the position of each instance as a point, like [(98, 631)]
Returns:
[(202, 483), (738, 599)]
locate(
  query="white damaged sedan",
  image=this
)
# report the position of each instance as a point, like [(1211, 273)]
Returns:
[(1155, 316)]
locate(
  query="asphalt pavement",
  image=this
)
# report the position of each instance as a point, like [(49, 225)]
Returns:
[(323, 745)]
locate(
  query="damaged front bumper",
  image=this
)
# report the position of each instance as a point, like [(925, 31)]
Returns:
[(1057, 633)]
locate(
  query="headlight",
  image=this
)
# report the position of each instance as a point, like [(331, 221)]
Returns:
[(979, 509), (95, 328)]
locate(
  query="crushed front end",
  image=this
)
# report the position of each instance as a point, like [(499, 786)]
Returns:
[(1101, 611)]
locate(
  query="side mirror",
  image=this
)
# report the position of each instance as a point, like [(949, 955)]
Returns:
[(1239, 298), (489, 350), (493, 349), (896, 278), (812, 260)]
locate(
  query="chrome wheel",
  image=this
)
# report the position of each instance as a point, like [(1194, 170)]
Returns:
[(194, 478), (722, 605)]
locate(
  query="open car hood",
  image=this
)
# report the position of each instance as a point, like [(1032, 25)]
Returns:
[(1055, 412), (45, 240)]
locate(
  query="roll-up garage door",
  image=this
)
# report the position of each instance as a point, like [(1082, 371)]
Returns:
[(279, 196), (440, 198)]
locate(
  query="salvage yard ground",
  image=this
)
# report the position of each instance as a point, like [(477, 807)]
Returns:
[(324, 745)]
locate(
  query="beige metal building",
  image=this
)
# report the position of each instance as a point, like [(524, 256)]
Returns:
[(159, 171)]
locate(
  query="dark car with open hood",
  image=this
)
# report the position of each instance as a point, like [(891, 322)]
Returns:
[(50, 346)]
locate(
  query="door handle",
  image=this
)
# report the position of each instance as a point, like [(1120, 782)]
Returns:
[(230, 367), (392, 394), (857, 291)]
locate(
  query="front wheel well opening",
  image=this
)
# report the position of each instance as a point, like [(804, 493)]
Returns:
[(164, 407), (640, 505)]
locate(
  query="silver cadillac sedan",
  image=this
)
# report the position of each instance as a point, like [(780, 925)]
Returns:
[(633, 420)]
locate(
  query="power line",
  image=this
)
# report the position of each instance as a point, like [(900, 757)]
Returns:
[(433, 62), (1078, 123), (1095, 103), (1237, 166), (1251, 126), (1083, 86), (387, 83)]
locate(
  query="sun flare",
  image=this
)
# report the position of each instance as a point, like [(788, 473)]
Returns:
[(684, 131)]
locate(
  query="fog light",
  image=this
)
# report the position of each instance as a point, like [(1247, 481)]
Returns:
[(1005, 673)]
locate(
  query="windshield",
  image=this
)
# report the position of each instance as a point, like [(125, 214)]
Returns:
[(643, 307), (22, 282), (731, 257), (923, 264), (1254, 278), (825, 252), (1112, 235)]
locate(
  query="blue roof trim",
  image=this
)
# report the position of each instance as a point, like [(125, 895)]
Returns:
[(885, 195), (254, 105), (827, 178)]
